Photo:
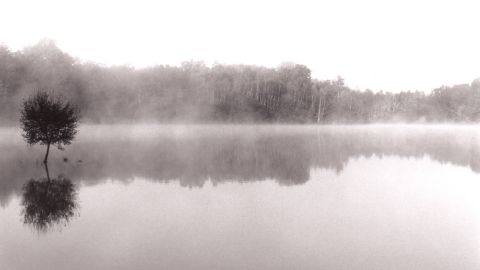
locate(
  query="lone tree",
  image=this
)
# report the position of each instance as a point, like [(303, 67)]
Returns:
[(48, 120)]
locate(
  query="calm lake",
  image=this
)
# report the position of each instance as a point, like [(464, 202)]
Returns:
[(243, 197)]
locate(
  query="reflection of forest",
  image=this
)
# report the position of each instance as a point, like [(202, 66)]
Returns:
[(243, 155)]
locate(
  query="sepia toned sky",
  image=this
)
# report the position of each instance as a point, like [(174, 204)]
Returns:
[(389, 45)]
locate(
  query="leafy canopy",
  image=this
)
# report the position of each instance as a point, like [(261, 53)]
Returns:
[(47, 119)]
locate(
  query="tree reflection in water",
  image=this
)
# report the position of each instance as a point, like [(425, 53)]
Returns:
[(249, 153), (47, 202)]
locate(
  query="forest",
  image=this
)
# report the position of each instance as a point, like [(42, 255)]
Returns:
[(195, 92)]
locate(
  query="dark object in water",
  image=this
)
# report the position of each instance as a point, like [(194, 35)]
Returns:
[(79, 161), (65, 159), (47, 202)]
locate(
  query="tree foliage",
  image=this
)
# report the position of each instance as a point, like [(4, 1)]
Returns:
[(232, 93), (48, 120)]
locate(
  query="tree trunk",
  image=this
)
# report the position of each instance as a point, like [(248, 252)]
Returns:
[(46, 154), (46, 170)]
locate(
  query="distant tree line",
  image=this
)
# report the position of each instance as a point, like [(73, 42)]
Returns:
[(232, 93)]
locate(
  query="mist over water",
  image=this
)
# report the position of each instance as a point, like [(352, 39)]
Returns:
[(195, 154), (251, 197)]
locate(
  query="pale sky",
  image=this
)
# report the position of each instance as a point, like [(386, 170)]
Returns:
[(389, 45)]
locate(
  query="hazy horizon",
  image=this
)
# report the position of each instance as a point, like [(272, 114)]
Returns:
[(377, 45)]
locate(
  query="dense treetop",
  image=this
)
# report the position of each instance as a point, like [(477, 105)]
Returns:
[(47, 119), (232, 93)]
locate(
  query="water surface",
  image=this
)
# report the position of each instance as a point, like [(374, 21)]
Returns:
[(244, 197)]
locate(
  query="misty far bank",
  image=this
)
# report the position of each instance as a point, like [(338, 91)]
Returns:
[(196, 93)]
